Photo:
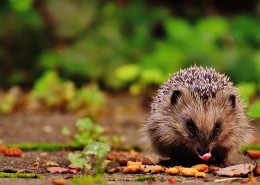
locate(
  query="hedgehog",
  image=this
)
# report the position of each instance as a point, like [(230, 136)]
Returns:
[(197, 117)]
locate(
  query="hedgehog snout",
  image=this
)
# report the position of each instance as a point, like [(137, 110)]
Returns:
[(202, 151), (204, 154)]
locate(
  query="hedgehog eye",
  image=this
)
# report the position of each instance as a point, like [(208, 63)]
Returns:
[(191, 126), (216, 128), (232, 100), (175, 97)]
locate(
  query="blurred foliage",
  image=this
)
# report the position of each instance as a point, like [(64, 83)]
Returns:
[(254, 111), (111, 37), (87, 132), (247, 91), (117, 45), (90, 40), (50, 92), (82, 180)]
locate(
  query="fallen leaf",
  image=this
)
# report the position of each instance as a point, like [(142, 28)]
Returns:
[(3, 148), (131, 163), (58, 181), (60, 170), (213, 169), (188, 172), (13, 152), (73, 166), (253, 154), (172, 180), (200, 174), (172, 171), (152, 169), (229, 180), (244, 181), (257, 171), (131, 169), (236, 170), (252, 178), (51, 163), (148, 161), (201, 168), (111, 166)]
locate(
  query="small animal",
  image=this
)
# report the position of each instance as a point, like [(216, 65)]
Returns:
[(196, 117)]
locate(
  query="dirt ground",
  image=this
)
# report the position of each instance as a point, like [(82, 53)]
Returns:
[(123, 116)]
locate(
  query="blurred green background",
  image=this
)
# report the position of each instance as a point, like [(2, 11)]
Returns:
[(127, 44)]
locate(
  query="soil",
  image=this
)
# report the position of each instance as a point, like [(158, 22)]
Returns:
[(124, 115)]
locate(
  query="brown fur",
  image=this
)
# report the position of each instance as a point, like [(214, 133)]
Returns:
[(167, 122)]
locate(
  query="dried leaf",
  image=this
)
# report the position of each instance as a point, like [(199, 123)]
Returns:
[(60, 170), (201, 168), (131, 169), (189, 172), (200, 174), (253, 154), (172, 180), (252, 178), (13, 152), (51, 163), (172, 171), (236, 170), (152, 169), (58, 181)]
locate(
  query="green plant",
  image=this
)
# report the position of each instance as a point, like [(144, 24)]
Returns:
[(254, 110), (91, 157), (144, 178), (87, 132), (87, 99), (43, 147), (19, 175), (247, 91), (94, 152), (226, 45), (8, 100), (83, 180), (87, 40), (51, 92), (250, 147)]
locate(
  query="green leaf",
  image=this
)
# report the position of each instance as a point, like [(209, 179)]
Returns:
[(254, 111), (128, 72), (84, 124), (212, 28), (250, 147), (65, 131), (78, 158), (153, 75), (144, 178), (83, 180), (21, 5), (20, 175), (178, 30), (97, 148), (247, 90), (87, 125)]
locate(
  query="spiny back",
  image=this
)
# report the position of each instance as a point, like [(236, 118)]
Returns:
[(202, 82)]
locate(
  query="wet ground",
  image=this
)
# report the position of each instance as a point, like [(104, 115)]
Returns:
[(124, 116)]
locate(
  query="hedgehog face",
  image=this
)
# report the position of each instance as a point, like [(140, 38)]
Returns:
[(203, 120)]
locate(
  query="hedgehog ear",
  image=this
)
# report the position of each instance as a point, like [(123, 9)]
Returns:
[(175, 97), (232, 100)]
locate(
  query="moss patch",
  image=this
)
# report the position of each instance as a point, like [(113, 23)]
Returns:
[(19, 175)]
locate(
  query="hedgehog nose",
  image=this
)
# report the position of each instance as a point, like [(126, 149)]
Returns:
[(202, 152)]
